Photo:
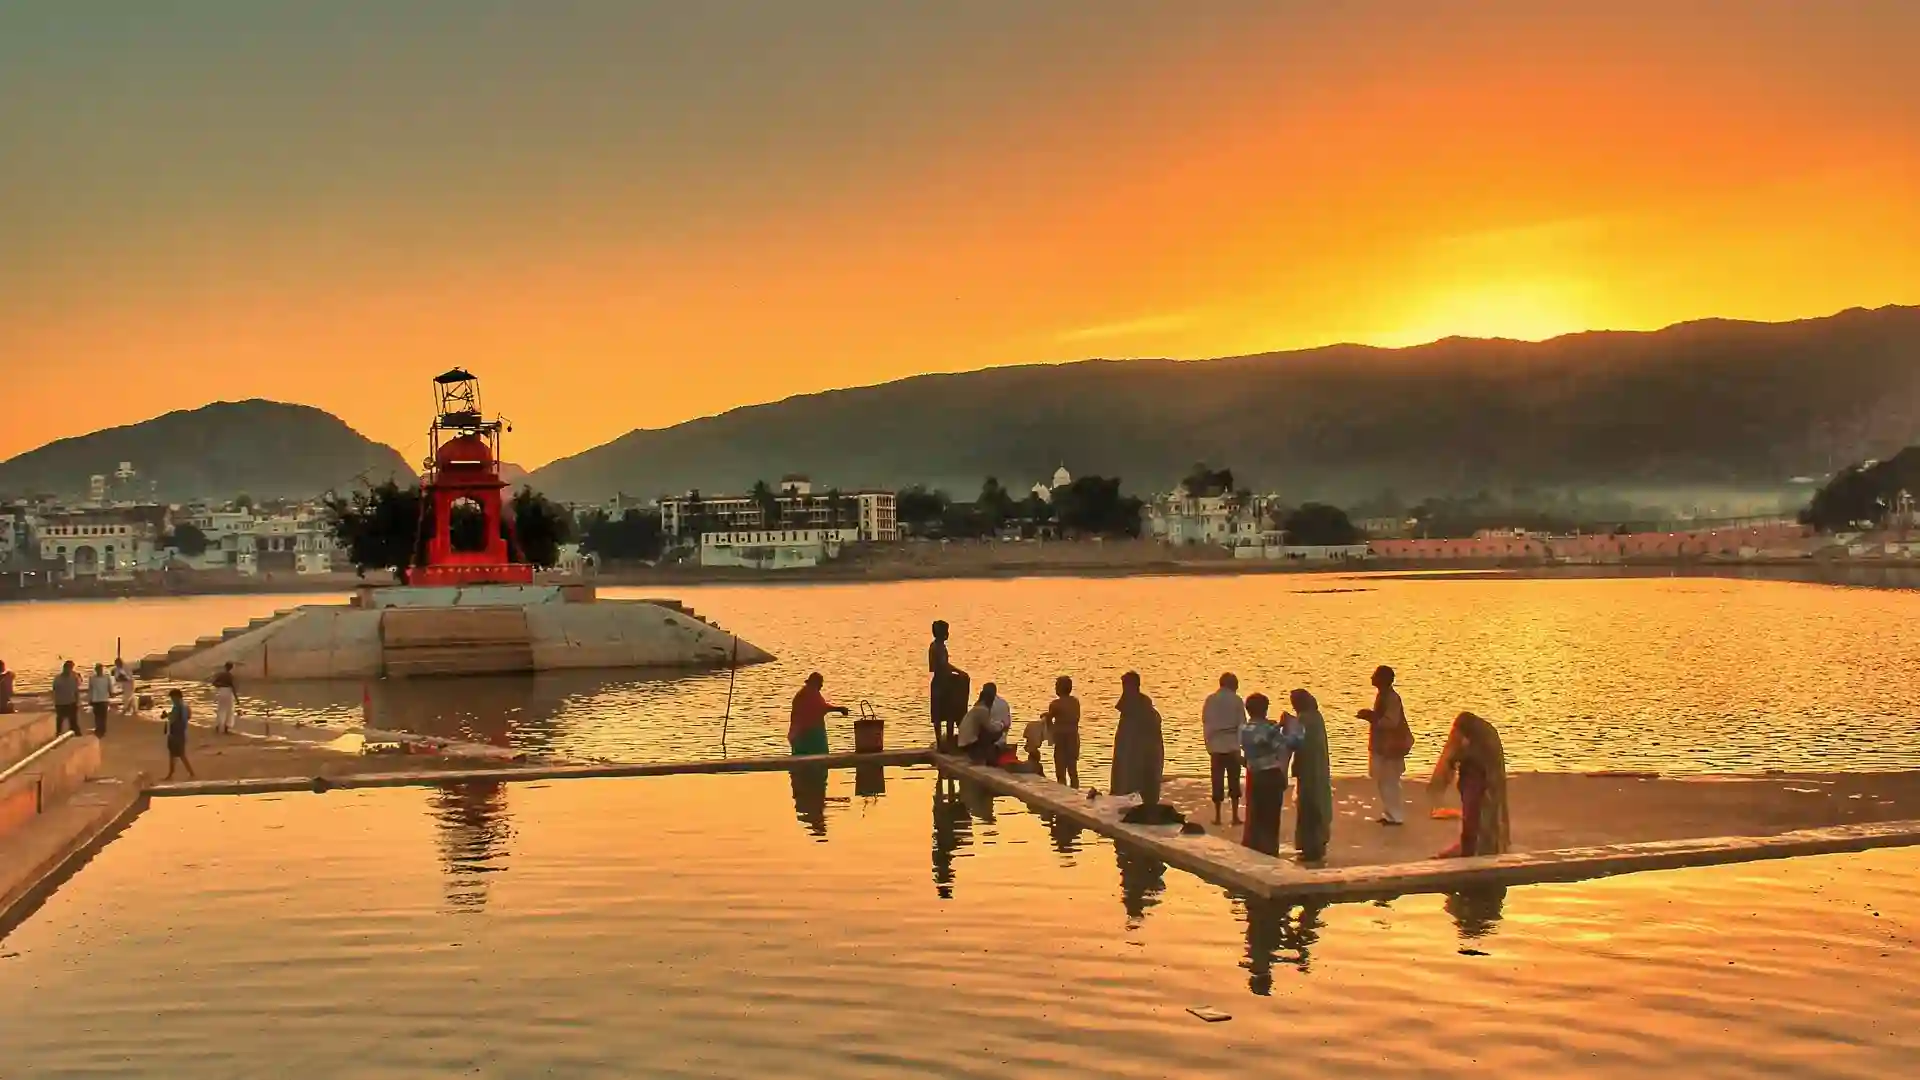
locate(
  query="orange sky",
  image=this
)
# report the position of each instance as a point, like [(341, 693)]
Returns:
[(629, 214)]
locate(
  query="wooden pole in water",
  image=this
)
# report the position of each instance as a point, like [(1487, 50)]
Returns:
[(733, 669)]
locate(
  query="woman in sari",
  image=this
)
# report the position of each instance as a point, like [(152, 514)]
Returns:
[(1313, 818), (1474, 760), (1139, 755), (1268, 747)]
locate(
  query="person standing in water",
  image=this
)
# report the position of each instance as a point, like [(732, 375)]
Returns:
[(1389, 741), (807, 721), (1139, 750), (1269, 749), (99, 698), (948, 691), (1313, 818), (1063, 724), (226, 696), (177, 716), (1220, 720)]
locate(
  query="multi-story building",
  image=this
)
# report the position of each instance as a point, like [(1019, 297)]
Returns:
[(774, 549), (870, 515), (107, 544), (249, 542), (1225, 519)]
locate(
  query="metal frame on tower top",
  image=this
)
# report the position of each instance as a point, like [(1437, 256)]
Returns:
[(456, 413)]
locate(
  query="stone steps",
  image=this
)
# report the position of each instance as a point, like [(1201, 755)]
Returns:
[(421, 642), (154, 665), (470, 658)]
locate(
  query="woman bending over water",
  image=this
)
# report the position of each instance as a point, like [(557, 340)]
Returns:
[(1474, 759)]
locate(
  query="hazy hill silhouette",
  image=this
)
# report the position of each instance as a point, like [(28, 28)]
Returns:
[(1715, 403), (266, 449)]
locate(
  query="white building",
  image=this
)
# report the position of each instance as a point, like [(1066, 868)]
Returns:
[(870, 515), (774, 549), (109, 545), (248, 543), (1045, 489), (1180, 518)]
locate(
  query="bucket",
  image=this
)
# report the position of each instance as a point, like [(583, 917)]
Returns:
[(869, 732)]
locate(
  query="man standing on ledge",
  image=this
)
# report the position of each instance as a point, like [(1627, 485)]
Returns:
[(807, 723), (66, 700), (1221, 718), (948, 692), (1389, 741)]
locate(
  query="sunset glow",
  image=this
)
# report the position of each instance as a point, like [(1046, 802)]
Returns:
[(628, 215)]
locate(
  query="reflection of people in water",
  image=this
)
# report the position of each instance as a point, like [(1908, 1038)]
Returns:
[(1142, 880), (952, 830), (1477, 911), (473, 825), (1276, 933), (810, 797), (1064, 834)]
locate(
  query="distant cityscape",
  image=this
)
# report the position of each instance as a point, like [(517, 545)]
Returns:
[(117, 535)]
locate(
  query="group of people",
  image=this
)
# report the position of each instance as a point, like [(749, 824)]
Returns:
[(103, 688), (1250, 752)]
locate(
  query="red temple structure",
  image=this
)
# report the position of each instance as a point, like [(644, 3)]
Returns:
[(465, 467)]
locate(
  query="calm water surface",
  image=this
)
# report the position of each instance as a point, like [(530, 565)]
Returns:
[(1681, 675), (884, 925)]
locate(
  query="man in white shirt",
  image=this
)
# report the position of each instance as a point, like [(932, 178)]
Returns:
[(1220, 719), (99, 696), (123, 684)]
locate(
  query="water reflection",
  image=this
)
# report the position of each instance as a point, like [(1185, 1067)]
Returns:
[(1142, 880), (810, 797), (869, 781), (1064, 834), (952, 830), (1279, 932), (473, 833), (1476, 912)]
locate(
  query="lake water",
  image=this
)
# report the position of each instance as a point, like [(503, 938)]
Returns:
[(1680, 674), (885, 925)]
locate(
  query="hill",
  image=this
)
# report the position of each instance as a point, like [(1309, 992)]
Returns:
[(1713, 404), (266, 449)]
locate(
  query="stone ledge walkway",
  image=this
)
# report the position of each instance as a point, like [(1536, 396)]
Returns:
[(1233, 866)]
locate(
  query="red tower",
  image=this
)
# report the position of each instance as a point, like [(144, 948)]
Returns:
[(464, 472)]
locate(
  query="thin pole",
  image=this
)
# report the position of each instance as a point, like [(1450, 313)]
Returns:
[(733, 669)]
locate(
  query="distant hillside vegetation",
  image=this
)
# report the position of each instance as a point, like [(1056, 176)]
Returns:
[(1716, 403), (265, 449)]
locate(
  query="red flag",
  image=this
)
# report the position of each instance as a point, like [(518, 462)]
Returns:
[(366, 706)]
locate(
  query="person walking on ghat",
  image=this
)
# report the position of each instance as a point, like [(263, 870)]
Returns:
[(99, 698), (1389, 741), (226, 695), (948, 692), (123, 683), (807, 722), (177, 716), (1139, 749), (66, 700), (1063, 726), (1220, 720), (1313, 818)]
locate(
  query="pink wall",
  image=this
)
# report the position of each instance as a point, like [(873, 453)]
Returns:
[(1725, 543)]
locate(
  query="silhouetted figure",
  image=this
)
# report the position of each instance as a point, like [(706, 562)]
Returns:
[(1276, 934), (66, 700), (807, 720), (949, 689), (1313, 818), (1142, 879), (1063, 729), (1269, 747), (952, 830), (1139, 754), (177, 717)]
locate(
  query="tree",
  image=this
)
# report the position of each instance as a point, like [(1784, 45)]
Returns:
[(918, 510), (379, 527), (1202, 482), (188, 540), (1094, 506), (769, 503), (243, 502), (540, 525), (635, 534), (1320, 525), (995, 506), (1862, 495)]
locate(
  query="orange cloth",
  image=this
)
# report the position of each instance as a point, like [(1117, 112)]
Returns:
[(810, 709)]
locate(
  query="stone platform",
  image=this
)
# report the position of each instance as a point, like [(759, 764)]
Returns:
[(486, 629)]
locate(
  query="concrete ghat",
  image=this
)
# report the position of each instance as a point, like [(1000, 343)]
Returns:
[(537, 772), (34, 861), (1235, 867)]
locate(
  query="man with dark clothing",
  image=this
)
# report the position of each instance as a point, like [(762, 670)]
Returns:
[(99, 696), (66, 700), (948, 693)]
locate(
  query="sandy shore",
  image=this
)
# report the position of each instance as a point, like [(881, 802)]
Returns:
[(1551, 811)]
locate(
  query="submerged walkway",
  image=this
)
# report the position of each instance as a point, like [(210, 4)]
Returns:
[(1743, 837)]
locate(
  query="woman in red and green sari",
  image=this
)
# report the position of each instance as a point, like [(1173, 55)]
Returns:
[(807, 723), (1476, 762)]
